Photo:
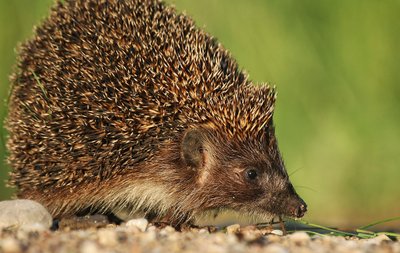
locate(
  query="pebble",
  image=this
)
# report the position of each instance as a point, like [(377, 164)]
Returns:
[(89, 247), (233, 229), (348, 246), (141, 224), (151, 228), (277, 232), (9, 245), (300, 238), (251, 233), (380, 238), (107, 237), (23, 212), (274, 238), (276, 248), (168, 230), (203, 231), (149, 236)]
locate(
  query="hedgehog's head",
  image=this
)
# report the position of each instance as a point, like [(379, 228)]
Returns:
[(238, 164)]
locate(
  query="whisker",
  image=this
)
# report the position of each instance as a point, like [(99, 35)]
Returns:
[(306, 187)]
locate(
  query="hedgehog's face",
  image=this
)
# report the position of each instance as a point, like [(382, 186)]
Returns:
[(247, 175)]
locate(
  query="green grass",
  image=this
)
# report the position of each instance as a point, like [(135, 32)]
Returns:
[(335, 66), (363, 232)]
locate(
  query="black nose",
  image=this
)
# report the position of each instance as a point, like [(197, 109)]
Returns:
[(300, 210)]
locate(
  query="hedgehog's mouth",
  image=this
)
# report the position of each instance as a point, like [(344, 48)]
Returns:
[(290, 206), (295, 207), (299, 211)]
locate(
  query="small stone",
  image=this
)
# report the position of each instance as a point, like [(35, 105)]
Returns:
[(266, 230), (377, 240), (107, 237), (277, 232), (300, 238), (141, 224), (9, 245), (168, 229), (381, 238), (151, 228), (350, 246), (274, 238), (149, 236), (251, 233), (396, 246), (203, 231), (275, 248), (233, 229), (231, 239), (89, 247), (111, 226), (22, 212)]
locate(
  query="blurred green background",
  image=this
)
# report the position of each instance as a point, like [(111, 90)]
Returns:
[(336, 68)]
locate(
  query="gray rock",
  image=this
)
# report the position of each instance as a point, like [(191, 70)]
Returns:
[(23, 213)]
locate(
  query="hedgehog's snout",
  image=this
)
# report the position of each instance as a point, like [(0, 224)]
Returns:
[(297, 207), (300, 210)]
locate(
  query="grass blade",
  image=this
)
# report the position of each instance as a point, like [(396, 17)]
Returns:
[(389, 234), (39, 83), (379, 222), (331, 230)]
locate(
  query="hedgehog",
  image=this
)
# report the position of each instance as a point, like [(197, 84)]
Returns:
[(127, 106)]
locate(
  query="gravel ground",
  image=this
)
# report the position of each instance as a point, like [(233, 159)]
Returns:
[(138, 236)]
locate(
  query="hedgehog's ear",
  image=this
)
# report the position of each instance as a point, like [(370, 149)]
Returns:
[(192, 148)]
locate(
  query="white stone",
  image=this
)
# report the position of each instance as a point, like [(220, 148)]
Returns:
[(23, 212), (277, 232), (141, 224), (203, 231)]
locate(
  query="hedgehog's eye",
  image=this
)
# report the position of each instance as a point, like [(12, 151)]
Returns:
[(251, 174)]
